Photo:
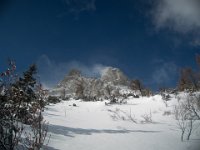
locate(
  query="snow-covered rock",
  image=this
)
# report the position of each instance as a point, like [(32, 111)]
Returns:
[(114, 76), (112, 81)]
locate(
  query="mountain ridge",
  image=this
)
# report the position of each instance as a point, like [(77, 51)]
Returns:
[(112, 83)]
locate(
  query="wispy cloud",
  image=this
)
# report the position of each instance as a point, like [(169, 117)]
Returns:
[(81, 5), (51, 72), (165, 74), (196, 42), (77, 6), (179, 15)]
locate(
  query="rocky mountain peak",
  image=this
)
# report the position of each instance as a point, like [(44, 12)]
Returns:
[(75, 85), (114, 76)]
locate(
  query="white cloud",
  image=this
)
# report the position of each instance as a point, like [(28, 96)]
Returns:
[(52, 72), (178, 15)]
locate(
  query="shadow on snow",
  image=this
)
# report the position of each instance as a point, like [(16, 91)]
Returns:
[(69, 131)]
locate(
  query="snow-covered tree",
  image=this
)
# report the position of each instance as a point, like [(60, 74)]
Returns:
[(20, 103)]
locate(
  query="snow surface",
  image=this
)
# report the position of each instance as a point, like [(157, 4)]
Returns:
[(96, 126)]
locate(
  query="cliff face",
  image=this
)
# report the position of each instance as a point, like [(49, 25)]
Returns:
[(114, 76), (113, 82)]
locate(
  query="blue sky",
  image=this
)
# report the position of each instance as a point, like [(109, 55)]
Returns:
[(147, 39)]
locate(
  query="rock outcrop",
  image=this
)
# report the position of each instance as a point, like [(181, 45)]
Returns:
[(113, 82)]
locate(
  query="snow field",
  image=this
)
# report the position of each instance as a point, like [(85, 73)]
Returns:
[(96, 126)]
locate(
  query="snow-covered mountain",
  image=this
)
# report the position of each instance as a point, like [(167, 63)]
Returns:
[(112, 82), (154, 123)]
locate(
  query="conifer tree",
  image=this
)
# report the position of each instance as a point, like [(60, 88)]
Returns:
[(20, 103)]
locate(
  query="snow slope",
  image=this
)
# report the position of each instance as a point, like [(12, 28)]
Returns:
[(96, 126)]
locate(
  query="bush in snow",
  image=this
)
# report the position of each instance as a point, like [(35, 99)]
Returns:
[(53, 99), (165, 97), (187, 113), (147, 118), (188, 80), (21, 102), (137, 85)]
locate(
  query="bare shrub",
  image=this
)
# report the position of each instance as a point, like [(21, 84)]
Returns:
[(147, 118), (165, 98), (132, 117), (186, 114), (35, 139), (118, 114), (180, 116), (167, 113)]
